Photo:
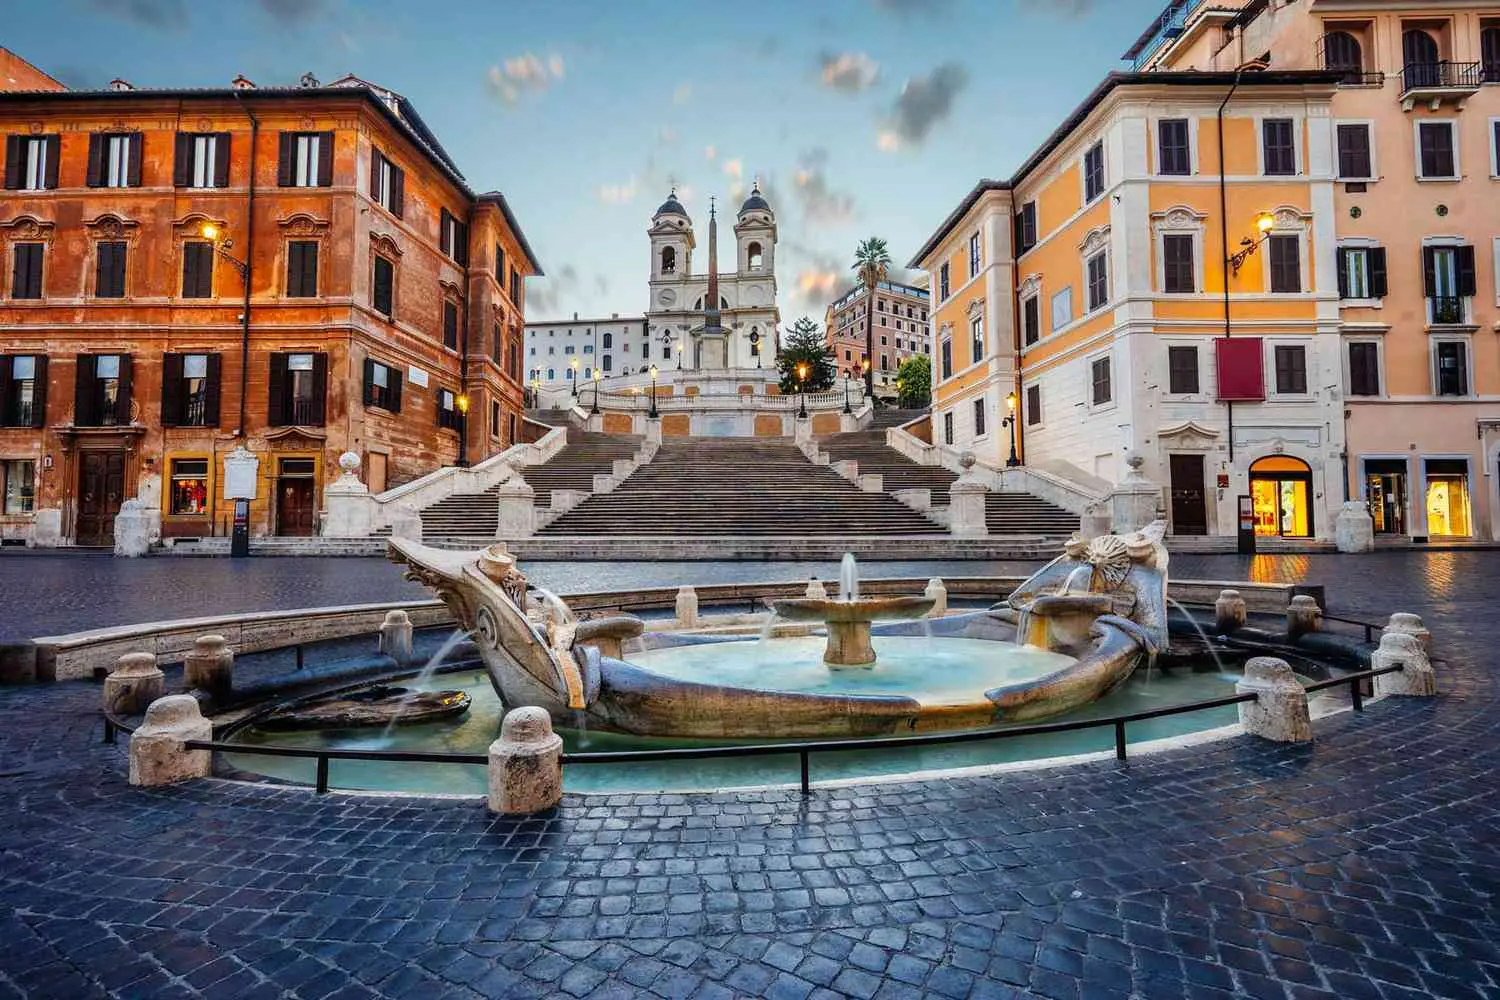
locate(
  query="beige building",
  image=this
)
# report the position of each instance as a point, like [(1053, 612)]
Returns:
[(900, 330)]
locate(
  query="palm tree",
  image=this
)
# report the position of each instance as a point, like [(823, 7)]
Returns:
[(872, 263)]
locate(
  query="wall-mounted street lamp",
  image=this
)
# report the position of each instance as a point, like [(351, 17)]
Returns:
[(653, 392), (1264, 223), (1010, 422), (222, 245), (595, 408)]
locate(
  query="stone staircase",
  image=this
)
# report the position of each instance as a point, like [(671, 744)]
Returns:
[(1024, 514), (728, 487), (552, 418), (476, 515), (890, 417)]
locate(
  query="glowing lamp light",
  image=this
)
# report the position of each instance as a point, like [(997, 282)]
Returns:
[(1010, 401), (1265, 222), (463, 404), (210, 231)]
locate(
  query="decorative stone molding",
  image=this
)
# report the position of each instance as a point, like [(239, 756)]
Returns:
[(28, 229), (1178, 218), (112, 227), (1097, 239), (1030, 285), (976, 307), (1290, 217), (301, 226), (385, 245), (190, 226)]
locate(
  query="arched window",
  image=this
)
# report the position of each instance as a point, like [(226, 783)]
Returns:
[(569, 375), (754, 256), (1419, 50), (588, 373), (609, 341), (551, 374), (755, 341), (1341, 53), (668, 260), (607, 362), (1489, 53)]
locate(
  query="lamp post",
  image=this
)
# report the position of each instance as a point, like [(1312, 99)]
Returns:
[(1010, 422), (653, 392), (864, 373), (574, 365), (847, 408), (222, 245), (463, 415), (679, 354), (595, 408), (1264, 223), (802, 391)]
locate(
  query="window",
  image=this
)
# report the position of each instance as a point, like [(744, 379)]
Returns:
[(382, 291), (31, 162), (197, 269), (202, 160), (1026, 227), (551, 374), (1291, 369), (102, 390), (754, 256), (20, 486), (23, 390), (1355, 162), (668, 260), (190, 390), (973, 256), (500, 266), (450, 325), (1364, 369), (1062, 308), (382, 386), (1341, 53), (947, 358), (447, 409), (26, 271), (1452, 368), (1179, 253), (494, 419), (1278, 147), (1361, 272), (948, 427), (608, 362), (298, 386), (1031, 319), (453, 237), (1436, 159), (1419, 52), (943, 281), (1098, 279), (1182, 369), (1101, 391), (1093, 172), (515, 287), (387, 183), (1448, 278), (189, 486), (305, 159), (588, 348), (302, 269), (1489, 53), (109, 269), (114, 160), (1033, 405), (976, 339), (1284, 253), (1174, 153), (979, 418), (609, 341)]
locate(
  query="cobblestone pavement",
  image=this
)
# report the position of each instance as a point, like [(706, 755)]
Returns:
[(1362, 866)]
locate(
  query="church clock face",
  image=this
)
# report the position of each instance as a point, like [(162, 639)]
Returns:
[(666, 297)]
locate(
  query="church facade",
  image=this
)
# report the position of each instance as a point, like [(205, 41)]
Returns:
[(714, 320)]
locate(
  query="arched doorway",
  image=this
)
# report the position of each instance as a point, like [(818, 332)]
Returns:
[(1419, 50), (1281, 491)]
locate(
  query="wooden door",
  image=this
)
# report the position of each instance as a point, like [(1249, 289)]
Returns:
[(1189, 505), (294, 506), (375, 475), (101, 490)]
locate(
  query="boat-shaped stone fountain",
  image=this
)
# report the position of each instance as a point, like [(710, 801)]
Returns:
[(1067, 635)]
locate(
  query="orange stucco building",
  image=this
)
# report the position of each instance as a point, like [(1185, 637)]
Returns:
[(297, 271)]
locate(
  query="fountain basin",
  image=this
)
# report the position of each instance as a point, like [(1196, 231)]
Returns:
[(848, 622)]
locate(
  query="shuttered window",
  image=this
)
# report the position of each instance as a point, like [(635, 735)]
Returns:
[(1178, 259), (1354, 152), (1361, 272), (1284, 253), (450, 326), (1093, 172), (23, 390), (26, 270), (453, 237), (190, 390), (1033, 405), (387, 184), (1452, 368), (305, 159), (197, 270), (1278, 147), (31, 162), (302, 269), (382, 386), (202, 160), (1102, 388), (500, 266), (382, 289), (1291, 369), (515, 287), (102, 390), (109, 270), (297, 388), (114, 160), (1182, 369), (1031, 319), (1364, 369), (1026, 228), (1098, 275), (1436, 159), (1174, 153), (447, 409)]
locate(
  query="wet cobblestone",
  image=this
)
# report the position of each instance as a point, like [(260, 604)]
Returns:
[(1362, 866)]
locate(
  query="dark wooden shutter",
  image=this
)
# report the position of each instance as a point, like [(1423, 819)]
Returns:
[(398, 191), (109, 274), (83, 392), (182, 160), (1429, 271), (1343, 273), (375, 161), (212, 391), (320, 389), (395, 390), (277, 395), (369, 396), (5, 373), (197, 270), (1376, 257), (381, 292), (122, 399), (294, 251), (171, 390), (54, 156), (26, 271), (221, 159), (286, 158), (325, 159), (445, 231), (13, 147), (133, 167), (95, 175), (1467, 278), (461, 251), (39, 393), (310, 268), (450, 326)]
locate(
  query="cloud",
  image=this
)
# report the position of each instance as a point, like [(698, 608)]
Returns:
[(848, 72), (547, 294), (618, 194), (914, 8), (734, 168), (601, 284), (923, 103), (820, 203), (710, 153), (511, 79), (682, 94), (1061, 8), (160, 14), (293, 10)]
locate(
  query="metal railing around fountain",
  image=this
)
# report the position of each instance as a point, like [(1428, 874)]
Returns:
[(803, 750)]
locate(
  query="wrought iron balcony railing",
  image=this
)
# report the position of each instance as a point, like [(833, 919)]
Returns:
[(1444, 75), (1446, 309)]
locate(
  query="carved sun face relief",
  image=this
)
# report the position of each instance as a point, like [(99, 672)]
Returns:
[(666, 297)]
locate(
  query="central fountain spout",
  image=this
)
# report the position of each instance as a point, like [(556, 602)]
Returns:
[(848, 618)]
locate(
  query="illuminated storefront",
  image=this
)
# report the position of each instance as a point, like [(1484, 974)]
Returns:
[(1448, 502), (1385, 493), (1281, 492)]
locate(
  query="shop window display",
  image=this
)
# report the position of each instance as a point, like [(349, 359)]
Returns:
[(189, 486)]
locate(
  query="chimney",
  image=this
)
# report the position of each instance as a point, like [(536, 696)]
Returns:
[(119, 84), (242, 82), (308, 81)]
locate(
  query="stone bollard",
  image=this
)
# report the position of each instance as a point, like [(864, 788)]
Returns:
[(1406, 623), (157, 754), (939, 594), (687, 607), (1354, 529), (135, 683), (1303, 615), (1279, 711), (525, 764), (396, 637), (210, 667), (1229, 612), (1416, 678), (815, 590), (517, 518)]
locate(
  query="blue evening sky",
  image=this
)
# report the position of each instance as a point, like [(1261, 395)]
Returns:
[(860, 117)]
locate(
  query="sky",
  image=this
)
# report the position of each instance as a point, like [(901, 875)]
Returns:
[(859, 117)]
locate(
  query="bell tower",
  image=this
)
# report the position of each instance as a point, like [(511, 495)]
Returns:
[(672, 241)]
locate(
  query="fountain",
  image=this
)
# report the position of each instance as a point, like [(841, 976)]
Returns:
[(849, 616)]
